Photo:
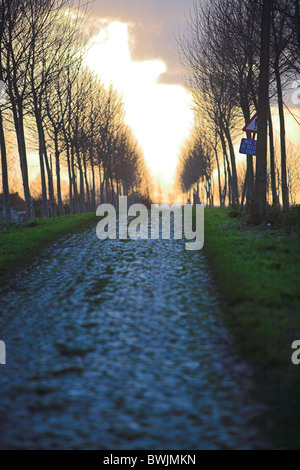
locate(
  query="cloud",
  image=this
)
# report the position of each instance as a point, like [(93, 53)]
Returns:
[(154, 25)]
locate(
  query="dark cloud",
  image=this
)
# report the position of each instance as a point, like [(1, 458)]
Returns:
[(155, 24)]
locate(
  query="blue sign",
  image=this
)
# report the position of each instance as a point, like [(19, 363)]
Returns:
[(248, 146)]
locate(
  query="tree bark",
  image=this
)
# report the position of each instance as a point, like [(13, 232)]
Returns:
[(235, 194), (86, 184), (263, 104), (226, 171), (5, 187), (50, 179), (275, 199), (41, 160), (19, 126), (93, 185), (284, 185), (219, 178), (82, 192), (75, 191), (58, 182), (71, 205)]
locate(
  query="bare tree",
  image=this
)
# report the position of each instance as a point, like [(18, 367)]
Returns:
[(16, 46), (5, 186)]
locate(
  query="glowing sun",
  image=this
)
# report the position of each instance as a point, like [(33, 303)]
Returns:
[(159, 114)]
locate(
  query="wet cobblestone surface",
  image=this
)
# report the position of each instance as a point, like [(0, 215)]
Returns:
[(121, 345)]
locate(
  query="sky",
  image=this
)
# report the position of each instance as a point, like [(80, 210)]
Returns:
[(134, 47), (154, 26)]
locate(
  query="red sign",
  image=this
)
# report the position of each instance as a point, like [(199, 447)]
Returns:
[(251, 126)]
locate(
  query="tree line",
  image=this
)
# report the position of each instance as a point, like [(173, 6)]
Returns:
[(222, 57), (78, 123)]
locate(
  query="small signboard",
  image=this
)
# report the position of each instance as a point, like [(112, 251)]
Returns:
[(251, 126), (248, 146)]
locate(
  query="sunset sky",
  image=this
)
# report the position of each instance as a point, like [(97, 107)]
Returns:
[(134, 47)]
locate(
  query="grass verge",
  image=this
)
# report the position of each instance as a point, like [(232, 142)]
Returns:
[(20, 245), (258, 274)]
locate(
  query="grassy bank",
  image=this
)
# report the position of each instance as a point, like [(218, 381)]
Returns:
[(257, 270), (19, 245)]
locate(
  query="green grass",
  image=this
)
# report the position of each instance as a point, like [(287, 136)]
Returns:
[(21, 244), (257, 270)]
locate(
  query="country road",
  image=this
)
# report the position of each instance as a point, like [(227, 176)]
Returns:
[(121, 345)]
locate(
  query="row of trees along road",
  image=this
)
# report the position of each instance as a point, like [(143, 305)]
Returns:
[(77, 122), (240, 57)]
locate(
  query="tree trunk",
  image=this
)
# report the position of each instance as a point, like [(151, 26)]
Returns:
[(227, 172), (58, 182), (244, 188), (248, 188), (71, 206), (75, 191), (112, 192), (93, 186), (86, 184), (19, 126), (250, 181), (263, 104), (100, 185), (50, 179), (42, 167), (284, 185), (219, 178), (235, 194), (275, 199), (5, 187), (82, 192)]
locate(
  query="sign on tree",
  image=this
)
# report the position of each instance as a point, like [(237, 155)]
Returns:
[(251, 126), (248, 146)]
